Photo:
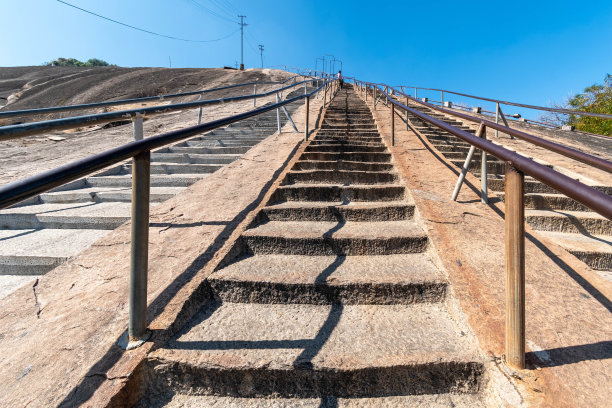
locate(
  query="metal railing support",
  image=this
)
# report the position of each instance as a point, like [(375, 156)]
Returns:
[(366, 93), (515, 266), (497, 118), (325, 96), (307, 117), (415, 93), (255, 96), (442, 98), (407, 127), (484, 193), (468, 160), (392, 124), (139, 255), (386, 100), (200, 111), (290, 120), (278, 124)]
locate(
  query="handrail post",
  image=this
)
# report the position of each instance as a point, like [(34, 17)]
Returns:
[(442, 98), (255, 95), (415, 93), (325, 96), (407, 127), (515, 267), (200, 112), (392, 124), (366, 93), (374, 96), (278, 124), (484, 193), (496, 118), (466, 165), (139, 255), (307, 118)]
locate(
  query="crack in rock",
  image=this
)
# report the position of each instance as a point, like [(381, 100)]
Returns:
[(36, 304)]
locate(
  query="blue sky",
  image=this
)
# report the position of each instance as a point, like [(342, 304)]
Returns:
[(536, 52)]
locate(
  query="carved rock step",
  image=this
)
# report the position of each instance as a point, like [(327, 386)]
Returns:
[(345, 148), (342, 165), (335, 238), (382, 280), (37, 251), (344, 177), (594, 250), (312, 351), (447, 400), (334, 211), (103, 216), (157, 180), (581, 222), (344, 194), (106, 194), (350, 156), (193, 158)]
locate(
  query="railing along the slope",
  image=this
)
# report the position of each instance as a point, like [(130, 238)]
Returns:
[(70, 108), (32, 128), (140, 152), (517, 166)]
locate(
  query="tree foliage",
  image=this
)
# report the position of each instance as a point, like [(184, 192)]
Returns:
[(597, 99), (72, 62)]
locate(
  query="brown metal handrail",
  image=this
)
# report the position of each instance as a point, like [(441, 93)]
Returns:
[(586, 158), (516, 168), (520, 105)]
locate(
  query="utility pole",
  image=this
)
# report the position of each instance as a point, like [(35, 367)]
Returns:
[(242, 24), (261, 47)]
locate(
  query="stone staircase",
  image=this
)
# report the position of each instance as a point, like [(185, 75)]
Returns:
[(43, 232), (332, 298), (582, 232)]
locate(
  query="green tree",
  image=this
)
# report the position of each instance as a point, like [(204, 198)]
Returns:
[(72, 62), (597, 99)]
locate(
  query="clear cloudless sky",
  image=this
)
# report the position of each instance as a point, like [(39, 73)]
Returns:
[(536, 52)]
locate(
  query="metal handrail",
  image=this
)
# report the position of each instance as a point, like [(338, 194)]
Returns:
[(520, 105), (586, 158), (516, 168), (140, 151), (53, 109), (32, 128)]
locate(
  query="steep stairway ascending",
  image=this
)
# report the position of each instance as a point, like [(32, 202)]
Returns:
[(333, 299), (582, 232), (42, 233)]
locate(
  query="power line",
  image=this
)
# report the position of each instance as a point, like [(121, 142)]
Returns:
[(223, 8), (143, 30), (212, 12)]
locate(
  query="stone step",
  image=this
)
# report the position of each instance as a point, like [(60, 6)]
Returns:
[(192, 158), (445, 400), (106, 194), (178, 168), (220, 143), (335, 238), (342, 165), (380, 157), (157, 180), (209, 150), (344, 177), (593, 250), (91, 215), (344, 194), (350, 280), (311, 351), (352, 147), (37, 251), (334, 211), (580, 222)]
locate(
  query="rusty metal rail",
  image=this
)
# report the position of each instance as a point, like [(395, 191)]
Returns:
[(586, 158), (70, 108), (32, 128), (140, 152), (520, 105), (517, 166)]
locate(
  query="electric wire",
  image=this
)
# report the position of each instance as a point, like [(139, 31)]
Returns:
[(212, 12), (146, 31)]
